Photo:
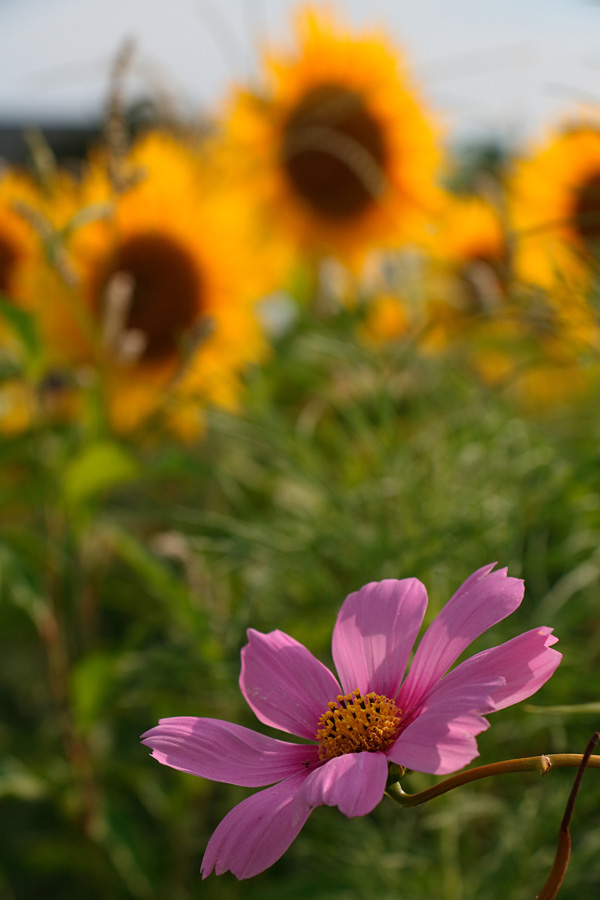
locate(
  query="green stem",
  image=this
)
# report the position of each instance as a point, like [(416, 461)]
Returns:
[(541, 764)]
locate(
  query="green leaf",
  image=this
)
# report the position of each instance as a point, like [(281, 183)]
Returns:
[(184, 608), (92, 685), (23, 325), (17, 780), (99, 467)]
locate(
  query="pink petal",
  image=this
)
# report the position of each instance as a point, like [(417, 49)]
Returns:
[(430, 746), (257, 831), (484, 599), (222, 751), (284, 684), (441, 736), (526, 663), (355, 783), (374, 634)]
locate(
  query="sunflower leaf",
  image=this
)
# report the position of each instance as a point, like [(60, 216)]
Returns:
[(23, 326), (98, 468)]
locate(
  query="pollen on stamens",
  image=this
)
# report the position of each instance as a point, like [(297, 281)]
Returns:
[(357, 722)]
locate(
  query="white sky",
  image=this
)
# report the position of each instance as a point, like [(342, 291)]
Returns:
[(490, 67)]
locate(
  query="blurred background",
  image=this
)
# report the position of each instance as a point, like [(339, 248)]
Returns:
[(493, 73), (291, 299)]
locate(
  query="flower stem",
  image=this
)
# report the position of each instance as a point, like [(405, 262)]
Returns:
[(541, 764), (563, 847)]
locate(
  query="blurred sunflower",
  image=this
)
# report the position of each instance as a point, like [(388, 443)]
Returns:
[(50, 212), (555, 208), (386, 320), (555, 203), (163, 291), (336, 148), (467, 272), (19, 254), (19, 247), (17, 406), (556, 377), (471, 245)]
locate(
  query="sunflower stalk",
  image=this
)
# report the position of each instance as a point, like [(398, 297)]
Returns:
[(117, 139)]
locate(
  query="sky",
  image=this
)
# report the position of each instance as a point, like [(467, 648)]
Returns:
[(490, 68)]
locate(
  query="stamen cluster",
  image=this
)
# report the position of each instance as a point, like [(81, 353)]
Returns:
[(358, 723)]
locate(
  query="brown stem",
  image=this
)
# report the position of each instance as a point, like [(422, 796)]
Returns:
[(52, 627), (541, 764), (563, 848)]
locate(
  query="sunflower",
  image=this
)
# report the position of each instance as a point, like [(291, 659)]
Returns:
[(19, 255), (469, 254), (470, 231), (466, 272), (555, 202), (161, 300), (386, 320), (555, 205), (17, 406), (19, 245), (557, 378), (337, 148)]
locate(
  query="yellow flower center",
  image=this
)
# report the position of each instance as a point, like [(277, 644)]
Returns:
[(358, 723), (334, 152)]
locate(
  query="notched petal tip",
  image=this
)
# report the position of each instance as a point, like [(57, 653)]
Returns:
[(374, 633), (485, 598), (257, 832)]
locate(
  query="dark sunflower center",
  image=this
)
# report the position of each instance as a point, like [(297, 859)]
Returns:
[(334, 152), (8, 258), (586, 211), (166, 292)]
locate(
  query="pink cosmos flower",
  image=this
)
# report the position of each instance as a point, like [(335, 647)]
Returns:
[(367, 719)]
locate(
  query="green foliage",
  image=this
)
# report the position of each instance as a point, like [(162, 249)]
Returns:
[(129, 573), (24, 327)]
